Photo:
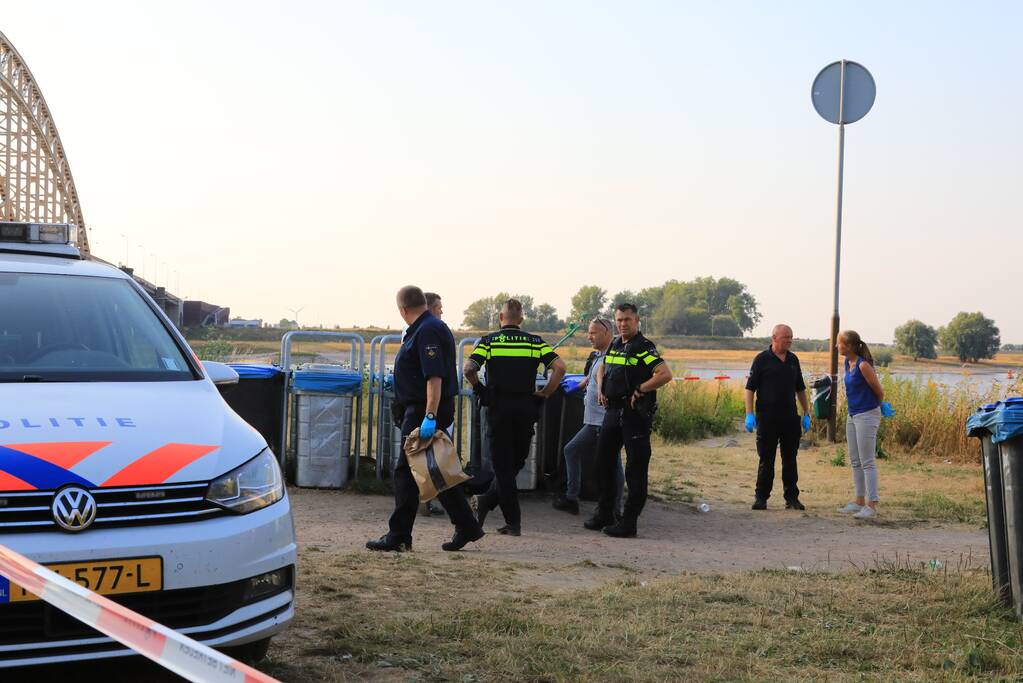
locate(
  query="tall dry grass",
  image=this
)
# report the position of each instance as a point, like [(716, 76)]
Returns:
[(930, 418)]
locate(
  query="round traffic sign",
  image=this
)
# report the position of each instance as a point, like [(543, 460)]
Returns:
[(856, 99)]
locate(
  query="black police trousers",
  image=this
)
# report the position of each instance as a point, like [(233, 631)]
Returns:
[(772, 430), (510, 419), (406, 492), (623, 426)]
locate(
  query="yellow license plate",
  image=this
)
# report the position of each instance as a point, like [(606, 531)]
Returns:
[(110, 577)]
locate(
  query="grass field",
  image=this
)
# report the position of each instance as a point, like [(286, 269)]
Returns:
[(456, 618), (912, 489), (430, 616)]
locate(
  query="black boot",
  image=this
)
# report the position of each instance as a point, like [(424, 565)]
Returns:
[(509, 530), (387, 544), (624, 528), (566, 505), (462, 538), (598, 521)]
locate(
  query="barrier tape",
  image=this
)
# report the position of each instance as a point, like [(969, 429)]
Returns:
[(168, 648), (694, 378)]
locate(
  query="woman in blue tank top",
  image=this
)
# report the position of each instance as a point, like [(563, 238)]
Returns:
[(865, 399)]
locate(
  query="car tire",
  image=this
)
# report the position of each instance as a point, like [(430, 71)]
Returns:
[(250, 653)]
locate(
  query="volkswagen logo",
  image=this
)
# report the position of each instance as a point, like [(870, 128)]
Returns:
[(74, 509)]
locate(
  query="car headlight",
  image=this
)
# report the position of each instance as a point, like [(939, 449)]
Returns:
[(252, 486)]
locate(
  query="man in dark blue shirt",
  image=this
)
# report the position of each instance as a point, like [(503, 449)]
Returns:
[(425, 385)]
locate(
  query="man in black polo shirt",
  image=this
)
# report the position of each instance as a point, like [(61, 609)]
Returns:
[(627, 384), (425, 384), (777, 380)]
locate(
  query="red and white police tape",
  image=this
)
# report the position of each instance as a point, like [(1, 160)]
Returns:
[(168, 648)]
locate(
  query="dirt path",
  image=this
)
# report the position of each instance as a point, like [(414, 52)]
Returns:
[(673, 539)]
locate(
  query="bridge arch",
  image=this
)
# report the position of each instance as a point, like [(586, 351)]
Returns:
[(35, 178)]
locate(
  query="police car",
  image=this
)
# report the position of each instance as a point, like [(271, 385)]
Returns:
[(122, 468)]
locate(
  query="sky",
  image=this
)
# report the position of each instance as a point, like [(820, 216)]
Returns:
[(273, 156)]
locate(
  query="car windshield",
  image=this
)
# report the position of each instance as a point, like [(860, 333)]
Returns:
[(61, 328)]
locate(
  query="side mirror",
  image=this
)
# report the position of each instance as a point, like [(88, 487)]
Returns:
[(220, 373)]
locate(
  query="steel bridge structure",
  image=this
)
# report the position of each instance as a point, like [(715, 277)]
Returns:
[(35, 178)]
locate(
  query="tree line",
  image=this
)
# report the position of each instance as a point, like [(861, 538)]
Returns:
[(968, 336), (704, 306)]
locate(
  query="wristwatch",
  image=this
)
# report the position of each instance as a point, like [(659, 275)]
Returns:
[(431, 416)]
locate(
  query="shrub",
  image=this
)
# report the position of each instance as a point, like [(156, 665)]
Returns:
[(695, 410), (219, 350), (883, 357)]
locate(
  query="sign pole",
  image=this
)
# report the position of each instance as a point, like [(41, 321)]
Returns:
[(833, 412), (843, 92)]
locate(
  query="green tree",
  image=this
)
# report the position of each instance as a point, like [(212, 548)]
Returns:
[(645, 301), (698, 321), (648, 299), (916, 339), (670, 315), (970, 336), (626, 296), (481, 314), (587, 302), (544, 319), (724, 326)]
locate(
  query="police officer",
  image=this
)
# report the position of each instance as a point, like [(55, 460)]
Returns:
[(425, 384), (512, 357), (628, 380)]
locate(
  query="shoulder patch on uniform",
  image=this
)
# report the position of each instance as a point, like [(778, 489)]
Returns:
[(431, 350)]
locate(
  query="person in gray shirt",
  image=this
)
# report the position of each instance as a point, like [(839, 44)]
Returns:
[(599, 334)]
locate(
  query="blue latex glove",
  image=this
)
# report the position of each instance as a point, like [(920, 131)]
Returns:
[(428, 428), (886, 409), (751, 422), (806, 423)]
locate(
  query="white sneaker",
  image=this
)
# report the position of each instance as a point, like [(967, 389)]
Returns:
[(866, 512), (850, 508)]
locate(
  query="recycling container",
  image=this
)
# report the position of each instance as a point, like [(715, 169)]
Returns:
[(979, 425), (322, 416)]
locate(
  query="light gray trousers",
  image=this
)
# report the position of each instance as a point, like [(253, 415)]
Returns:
[(861, 433)]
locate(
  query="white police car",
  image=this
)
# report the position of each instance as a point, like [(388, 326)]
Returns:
[(122, 468)]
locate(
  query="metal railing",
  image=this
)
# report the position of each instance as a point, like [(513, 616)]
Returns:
[(381, 395), (357, 344), (462, 391)]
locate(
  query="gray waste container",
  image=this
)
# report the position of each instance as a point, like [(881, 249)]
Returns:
[(322, 424), (979, 425), (1006, 427), (479, 446)]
